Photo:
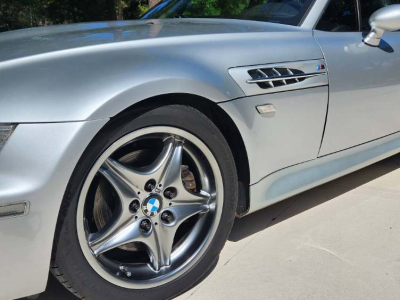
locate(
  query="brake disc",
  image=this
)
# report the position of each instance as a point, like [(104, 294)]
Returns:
[(102, 210)]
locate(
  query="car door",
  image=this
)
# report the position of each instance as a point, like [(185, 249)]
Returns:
[(364, 81)]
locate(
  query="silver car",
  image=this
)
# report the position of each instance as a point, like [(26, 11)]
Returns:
[(128, 148)]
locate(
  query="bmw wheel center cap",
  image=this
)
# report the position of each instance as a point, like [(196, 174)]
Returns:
[(152, 206)]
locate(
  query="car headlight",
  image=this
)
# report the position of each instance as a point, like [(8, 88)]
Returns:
[(6, 131)]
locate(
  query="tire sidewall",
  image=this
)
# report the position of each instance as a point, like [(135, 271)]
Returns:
[(68, 253)]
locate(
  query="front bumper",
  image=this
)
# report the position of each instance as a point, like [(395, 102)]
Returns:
[(35, 166)]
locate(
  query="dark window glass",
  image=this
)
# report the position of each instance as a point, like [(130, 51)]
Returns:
[(289, 12), (368, 7), (340, 16)]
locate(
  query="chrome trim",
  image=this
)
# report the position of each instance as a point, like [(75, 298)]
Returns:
[(291, 73), (283, 77), (314, 77), (279, 74), (14, 210)]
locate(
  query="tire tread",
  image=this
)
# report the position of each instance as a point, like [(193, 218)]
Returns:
[(59, 270)]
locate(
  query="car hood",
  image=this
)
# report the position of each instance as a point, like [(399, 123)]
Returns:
[(93, 71), (42, 40)]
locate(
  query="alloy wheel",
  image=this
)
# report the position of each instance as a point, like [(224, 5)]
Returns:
[(149, 207)]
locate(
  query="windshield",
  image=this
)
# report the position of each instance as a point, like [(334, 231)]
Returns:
[(289, 12)]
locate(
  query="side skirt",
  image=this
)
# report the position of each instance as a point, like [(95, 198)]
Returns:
[(299, 178)]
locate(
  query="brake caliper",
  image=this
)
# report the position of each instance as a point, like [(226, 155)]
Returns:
[(188, 179)]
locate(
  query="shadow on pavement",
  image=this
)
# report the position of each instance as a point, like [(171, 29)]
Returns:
[(55, 291), (274, 214)]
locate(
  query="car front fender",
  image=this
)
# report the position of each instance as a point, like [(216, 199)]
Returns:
[(35, 167)]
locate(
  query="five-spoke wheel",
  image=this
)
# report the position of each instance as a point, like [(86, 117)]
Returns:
[(149, 207)]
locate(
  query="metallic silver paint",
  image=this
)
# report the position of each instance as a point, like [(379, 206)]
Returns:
[(55, 74), (292, 136), (94, 71), (361, 79), (385, 19), (35, 166), (244, 80), (297, 179)]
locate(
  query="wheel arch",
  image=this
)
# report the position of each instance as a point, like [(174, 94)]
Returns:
[(221, 119)]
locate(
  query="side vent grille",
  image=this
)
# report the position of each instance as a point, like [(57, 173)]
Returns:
[(275, 77), (280, 77)]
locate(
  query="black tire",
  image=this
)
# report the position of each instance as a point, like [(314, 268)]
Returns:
[(68, 262)]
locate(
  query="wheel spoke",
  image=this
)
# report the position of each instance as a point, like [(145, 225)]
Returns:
[(160, 245), (166, 163), (171, 175), (172, 230), (120, 178), (118, 235), (166, 168), (183, 212), (185, 197), (164, 234)]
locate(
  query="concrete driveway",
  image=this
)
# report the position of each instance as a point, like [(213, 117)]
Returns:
[(337, 241)]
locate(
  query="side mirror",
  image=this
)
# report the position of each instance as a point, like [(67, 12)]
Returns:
[(384, 19)]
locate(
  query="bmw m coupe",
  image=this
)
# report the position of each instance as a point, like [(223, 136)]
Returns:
[(128, 148)]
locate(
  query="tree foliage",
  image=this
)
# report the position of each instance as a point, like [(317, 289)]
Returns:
[(16, 14), (219, 7)]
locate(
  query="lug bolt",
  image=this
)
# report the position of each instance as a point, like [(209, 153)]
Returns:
[(170, 193), (134, 206), (125, 271), (167, 217), (150, 185), (145, 226)]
